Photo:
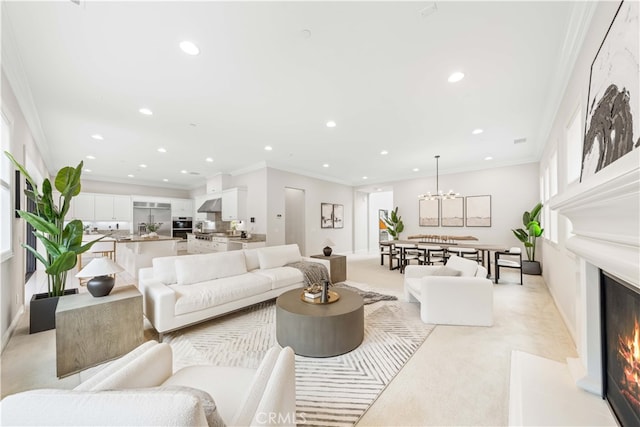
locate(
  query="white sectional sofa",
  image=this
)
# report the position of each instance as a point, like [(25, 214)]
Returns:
[(456, 294), (183, 290)]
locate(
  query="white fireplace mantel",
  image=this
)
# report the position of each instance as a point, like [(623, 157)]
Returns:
[(604, 211)]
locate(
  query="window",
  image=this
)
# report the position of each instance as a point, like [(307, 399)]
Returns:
[(6, 207), (574, 147)]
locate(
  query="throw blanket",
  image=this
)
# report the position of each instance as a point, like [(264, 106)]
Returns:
[(313, 272)]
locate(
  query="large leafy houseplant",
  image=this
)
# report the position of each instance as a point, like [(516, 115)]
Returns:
[(531, 231), (394, 223), (63, 243)]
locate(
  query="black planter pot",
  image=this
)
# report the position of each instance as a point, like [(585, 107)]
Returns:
[(42, 311), (531, 267)]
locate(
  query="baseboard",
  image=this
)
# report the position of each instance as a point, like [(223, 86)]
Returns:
[(12, 327)]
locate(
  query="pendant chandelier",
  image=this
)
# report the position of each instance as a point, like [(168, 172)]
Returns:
[(439, 194)]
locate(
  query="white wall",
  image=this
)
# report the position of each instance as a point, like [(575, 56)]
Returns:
[(13, 269), (560, 269), (256, 185), (361, 223), (513, 190), (316, 192)]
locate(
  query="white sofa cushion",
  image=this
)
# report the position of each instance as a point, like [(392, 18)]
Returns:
[(467, 267), (251, 259), (199, 268), (446, 271), (164, 269), (203, 295), (282, 276), (278, 256), (135, 407)]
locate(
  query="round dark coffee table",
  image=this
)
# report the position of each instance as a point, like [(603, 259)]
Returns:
[(320, 330)]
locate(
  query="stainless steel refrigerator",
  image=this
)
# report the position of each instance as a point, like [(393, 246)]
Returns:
[(145, 213)]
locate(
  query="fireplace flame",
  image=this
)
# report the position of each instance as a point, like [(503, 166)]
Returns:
[(629, 352)]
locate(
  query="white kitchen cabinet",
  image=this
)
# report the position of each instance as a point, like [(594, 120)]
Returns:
[(83, 207), (112, 208), (181, 207), (234, 204)]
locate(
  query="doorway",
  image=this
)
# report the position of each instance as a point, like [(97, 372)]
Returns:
[(294, 214)]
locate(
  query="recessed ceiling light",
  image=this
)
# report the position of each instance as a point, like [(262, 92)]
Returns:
[(90, 157), (209, 159), (183, 171), (87, 170), (378, 189), (165, 179), (268, 148), (326, 165), (365, 177), (142, 165), (331, 124), (488, 158), (416, 169), (162, 150), (384, 152), (456, 77), (131, 176), (189, 48), (97, 136), (146, 111), (477, 131)]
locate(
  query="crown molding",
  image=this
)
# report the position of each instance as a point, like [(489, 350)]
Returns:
[(579, 22)]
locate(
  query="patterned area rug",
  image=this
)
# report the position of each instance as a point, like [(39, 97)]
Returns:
[(333, 391)]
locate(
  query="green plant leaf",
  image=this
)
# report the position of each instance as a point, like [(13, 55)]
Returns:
[(39, 223), (22, 170), (520, 234), (87, 246), (72, 234), (534, 229), (40, 258), (526, 218), (528, 245), (68, 180), (535, 212), (63, 263), (53, 249)]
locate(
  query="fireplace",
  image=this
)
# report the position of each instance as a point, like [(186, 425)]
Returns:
[(620, 317)]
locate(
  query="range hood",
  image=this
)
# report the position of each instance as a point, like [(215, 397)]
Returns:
[(212, 205)]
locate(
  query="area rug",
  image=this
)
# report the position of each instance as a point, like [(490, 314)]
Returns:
[(333, 391)]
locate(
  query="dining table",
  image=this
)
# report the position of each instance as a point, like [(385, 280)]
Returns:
[(485, 250)]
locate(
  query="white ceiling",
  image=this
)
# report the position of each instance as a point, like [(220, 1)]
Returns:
[(378, 69)]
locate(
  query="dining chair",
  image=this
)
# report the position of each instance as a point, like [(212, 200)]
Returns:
[(511, 258), (469, 253), (387, 250), (432, 254)]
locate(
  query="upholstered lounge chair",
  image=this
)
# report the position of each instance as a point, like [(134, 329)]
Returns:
[(141, 388)]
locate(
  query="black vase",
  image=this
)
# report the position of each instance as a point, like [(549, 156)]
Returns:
[(42, 311), (327, 251), (100, 286)]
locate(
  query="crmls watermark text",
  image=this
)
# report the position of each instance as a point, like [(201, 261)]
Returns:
[(279, 418)]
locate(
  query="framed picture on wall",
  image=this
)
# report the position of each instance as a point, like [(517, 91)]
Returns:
[(478, 211), (326, 215), (453, 212), (338, 216), (429, 213), (383, 234)]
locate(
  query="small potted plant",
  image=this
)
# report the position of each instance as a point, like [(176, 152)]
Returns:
[(63, 243), (394, 223), (528, 236), (153, 228)]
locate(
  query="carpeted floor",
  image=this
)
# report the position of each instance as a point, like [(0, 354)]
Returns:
[(332, 391)]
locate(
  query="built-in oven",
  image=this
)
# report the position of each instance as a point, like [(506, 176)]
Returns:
[(181, 225)]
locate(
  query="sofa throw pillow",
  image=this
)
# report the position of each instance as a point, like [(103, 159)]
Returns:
[(467, 267), (446, 271), (251, 259), (164, 269), (278, 256), (192, 269)]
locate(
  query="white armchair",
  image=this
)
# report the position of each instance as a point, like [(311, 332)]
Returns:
[(464, 299), (141, 389)]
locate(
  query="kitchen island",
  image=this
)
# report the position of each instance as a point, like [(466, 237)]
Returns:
[(136, 252)]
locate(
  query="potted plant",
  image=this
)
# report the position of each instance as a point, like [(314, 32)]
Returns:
[(528, 237), (394, 223), (63, 243)]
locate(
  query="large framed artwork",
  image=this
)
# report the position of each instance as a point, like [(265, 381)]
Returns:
[(614, 94), (477, 211), (383, 235), (326, 215), (453, 212), (338, 216), (429, 213)]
